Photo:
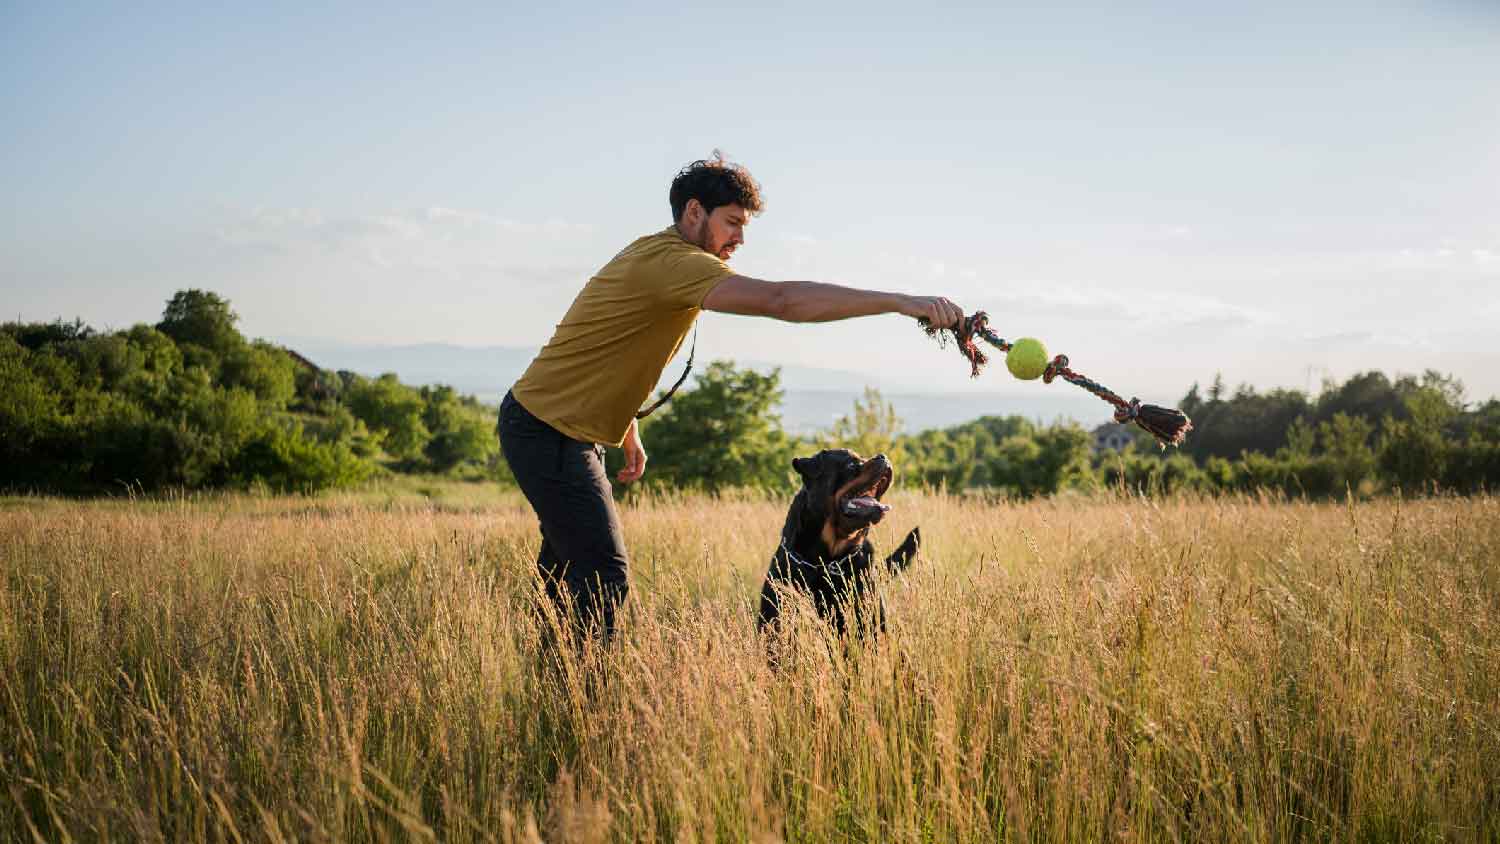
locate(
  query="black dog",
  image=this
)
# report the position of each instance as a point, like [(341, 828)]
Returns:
[(824, 551)]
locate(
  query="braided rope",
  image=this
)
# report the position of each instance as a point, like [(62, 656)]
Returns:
[(1169, 426)]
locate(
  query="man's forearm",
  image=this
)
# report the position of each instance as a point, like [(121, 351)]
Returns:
[(814, 301)]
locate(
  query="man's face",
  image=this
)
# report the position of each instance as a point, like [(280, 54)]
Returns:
[(718, 233)]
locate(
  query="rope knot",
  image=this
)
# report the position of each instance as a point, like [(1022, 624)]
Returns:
[(1129, 412), (1057, 365)]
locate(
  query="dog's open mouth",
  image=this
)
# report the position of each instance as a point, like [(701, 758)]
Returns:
[(859, 501)]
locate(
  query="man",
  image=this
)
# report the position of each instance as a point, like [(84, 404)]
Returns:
[(585, 386)]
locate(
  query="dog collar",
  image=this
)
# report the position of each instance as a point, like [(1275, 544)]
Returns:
[(834, 566)]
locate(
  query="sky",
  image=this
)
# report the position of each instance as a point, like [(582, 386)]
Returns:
[(1281, 192)]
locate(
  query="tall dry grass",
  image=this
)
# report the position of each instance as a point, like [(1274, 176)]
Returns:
[(352, 669)]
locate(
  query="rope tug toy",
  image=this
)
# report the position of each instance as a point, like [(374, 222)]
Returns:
[(1027, 359)]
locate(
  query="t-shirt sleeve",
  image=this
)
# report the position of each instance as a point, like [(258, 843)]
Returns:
[(689, 276)]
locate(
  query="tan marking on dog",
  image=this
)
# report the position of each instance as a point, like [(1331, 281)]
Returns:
[(836, 546)]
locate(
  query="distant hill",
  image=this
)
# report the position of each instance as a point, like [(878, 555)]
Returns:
[(806, 411), (814, 397), (483, 371)]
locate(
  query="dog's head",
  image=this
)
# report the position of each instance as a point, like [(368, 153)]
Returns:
[(841, 493)]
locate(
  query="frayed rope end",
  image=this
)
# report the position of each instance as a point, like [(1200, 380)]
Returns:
[(1169, 425)]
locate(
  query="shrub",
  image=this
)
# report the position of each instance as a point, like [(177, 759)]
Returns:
[(287, 461)]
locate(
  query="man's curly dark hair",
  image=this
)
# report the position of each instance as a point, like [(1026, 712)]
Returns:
[(714, 182)]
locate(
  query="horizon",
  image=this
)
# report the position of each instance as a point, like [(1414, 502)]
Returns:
[(795, 377), (1280, 194), (813, 399), (1014, 387)]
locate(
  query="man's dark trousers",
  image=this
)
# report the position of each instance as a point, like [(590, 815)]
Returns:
[(583, 549)]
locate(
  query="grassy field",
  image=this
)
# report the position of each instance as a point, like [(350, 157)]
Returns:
[(365, 668)]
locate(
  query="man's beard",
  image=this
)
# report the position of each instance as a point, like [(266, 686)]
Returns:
[(701, 240)]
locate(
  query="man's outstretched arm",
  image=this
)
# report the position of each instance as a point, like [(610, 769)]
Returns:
[(812, 301)]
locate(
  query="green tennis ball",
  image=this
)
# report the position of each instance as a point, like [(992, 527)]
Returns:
[(1027, 359)]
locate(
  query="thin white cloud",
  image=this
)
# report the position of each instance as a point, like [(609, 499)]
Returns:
[(1148, 307), (1367, 339), (797, 239), (434, 239), (1449, 252), (479, 219)]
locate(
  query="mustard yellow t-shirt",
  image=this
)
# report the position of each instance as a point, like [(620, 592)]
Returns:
[(610, 349)]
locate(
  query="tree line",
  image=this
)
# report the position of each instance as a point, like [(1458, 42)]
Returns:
[(1368, 435), (190, 403)]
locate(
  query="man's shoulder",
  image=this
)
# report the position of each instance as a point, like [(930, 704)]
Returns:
[(658, 244), (662, 249)]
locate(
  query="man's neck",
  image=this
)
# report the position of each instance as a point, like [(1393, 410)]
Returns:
[(677, 227)]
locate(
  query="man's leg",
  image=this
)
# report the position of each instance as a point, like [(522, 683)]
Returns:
[(582, 529), (583, 548), (549, 572)]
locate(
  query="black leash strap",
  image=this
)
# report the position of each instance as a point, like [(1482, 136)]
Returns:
[(685, 372)]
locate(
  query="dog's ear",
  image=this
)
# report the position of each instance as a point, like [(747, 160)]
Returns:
[(805, 466)]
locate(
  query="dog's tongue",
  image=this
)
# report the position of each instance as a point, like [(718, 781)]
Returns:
[(866, 503)]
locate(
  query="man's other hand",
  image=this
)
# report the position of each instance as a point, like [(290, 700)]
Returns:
[(635, 456)]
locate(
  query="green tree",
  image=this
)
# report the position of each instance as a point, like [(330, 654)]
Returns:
[(941, 458), (31, 415), (1345, 441), (1301, 438), (1154, 473), (1373, 396), (392, 410), (339, 427), (966, 455), (37, 335), (1482, 422), (1413, 451), (1247, 421), (203, 319), (1062, 461), (1473, 465), (103, 361), (264, 370), (1192, 402), (285, 460), (722, 433), (159, 353), (463, 432), (82, 411)]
